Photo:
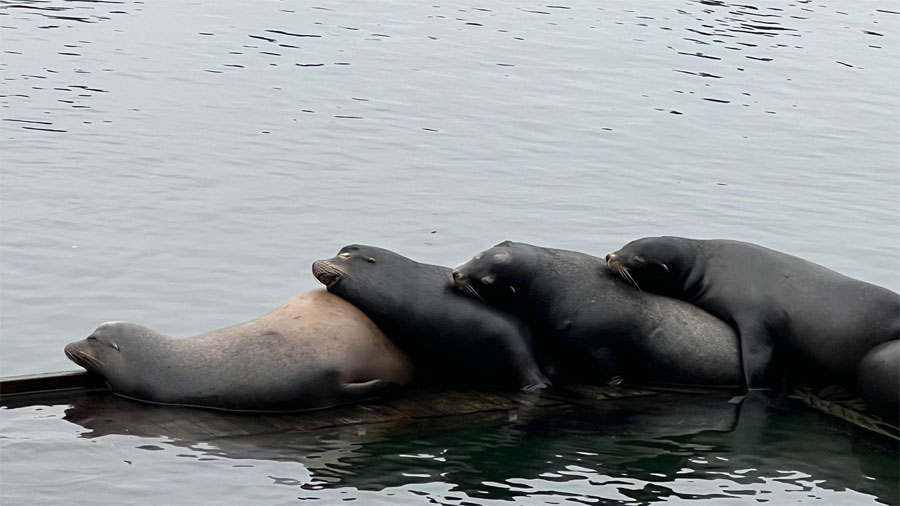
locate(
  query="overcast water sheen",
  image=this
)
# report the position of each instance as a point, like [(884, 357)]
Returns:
[(181, 164)]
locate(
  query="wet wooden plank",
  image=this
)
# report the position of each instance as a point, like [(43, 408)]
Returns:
[(106, 413), (430, 404), (591, 395), (351, 414), (852, 410), (49, 382)]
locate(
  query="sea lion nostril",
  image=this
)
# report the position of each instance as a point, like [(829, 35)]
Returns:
[(609, 256), (456, 275)]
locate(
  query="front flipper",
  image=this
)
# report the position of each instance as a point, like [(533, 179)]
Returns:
[(757, 354), (370, 389), (520, 354), (775, 398)]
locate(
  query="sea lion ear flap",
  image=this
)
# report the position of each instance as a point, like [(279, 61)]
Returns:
[(664, 266)]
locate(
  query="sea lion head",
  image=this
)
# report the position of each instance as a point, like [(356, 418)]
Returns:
[(106, 350), (362, 275), (651, 264), (492, 275)]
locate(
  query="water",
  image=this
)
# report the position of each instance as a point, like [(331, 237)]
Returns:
[(181, 165), (673, 451)]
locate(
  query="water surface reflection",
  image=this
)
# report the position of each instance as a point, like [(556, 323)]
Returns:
[(637, 451)]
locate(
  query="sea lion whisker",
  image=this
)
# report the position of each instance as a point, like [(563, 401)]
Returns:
[(88, 358), (631, 279), (627, 277), (327, 269), (95, 361), (471, 290)]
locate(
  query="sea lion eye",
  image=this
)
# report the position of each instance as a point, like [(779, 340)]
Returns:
[(92, 339), (344, 255), (488, 280), (371, 260), (638, 259)]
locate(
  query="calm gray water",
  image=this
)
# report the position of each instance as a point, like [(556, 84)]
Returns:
[(182, 164)]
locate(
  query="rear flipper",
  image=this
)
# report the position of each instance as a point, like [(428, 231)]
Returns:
[(370, 389)]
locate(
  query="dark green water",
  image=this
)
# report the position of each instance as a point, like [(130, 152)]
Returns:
[(664, 450)]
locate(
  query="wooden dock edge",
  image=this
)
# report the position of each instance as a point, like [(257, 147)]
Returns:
[(49, 382), (849, 410)]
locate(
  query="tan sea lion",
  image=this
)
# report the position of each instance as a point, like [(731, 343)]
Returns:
[(312, 351)]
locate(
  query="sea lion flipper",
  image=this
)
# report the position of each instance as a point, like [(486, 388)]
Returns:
[(370, 389), (757, 349)]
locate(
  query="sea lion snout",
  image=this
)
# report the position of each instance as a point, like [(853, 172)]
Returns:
[(71, 351), (326, 272), (461, 280), (77, 352), (614, 261)]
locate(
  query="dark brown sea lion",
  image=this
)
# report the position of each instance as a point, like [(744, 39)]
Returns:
[(598, 325), (785, 308), (450, 337)]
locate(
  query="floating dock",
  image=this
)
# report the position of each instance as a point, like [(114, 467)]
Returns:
[(94, 407)]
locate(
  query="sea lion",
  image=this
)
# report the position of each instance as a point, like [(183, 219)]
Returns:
[(449, 336), (601, 326), (314, 350), (878, 379), (776, 301)]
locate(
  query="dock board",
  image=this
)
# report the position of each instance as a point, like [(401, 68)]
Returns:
[(93, 407)]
